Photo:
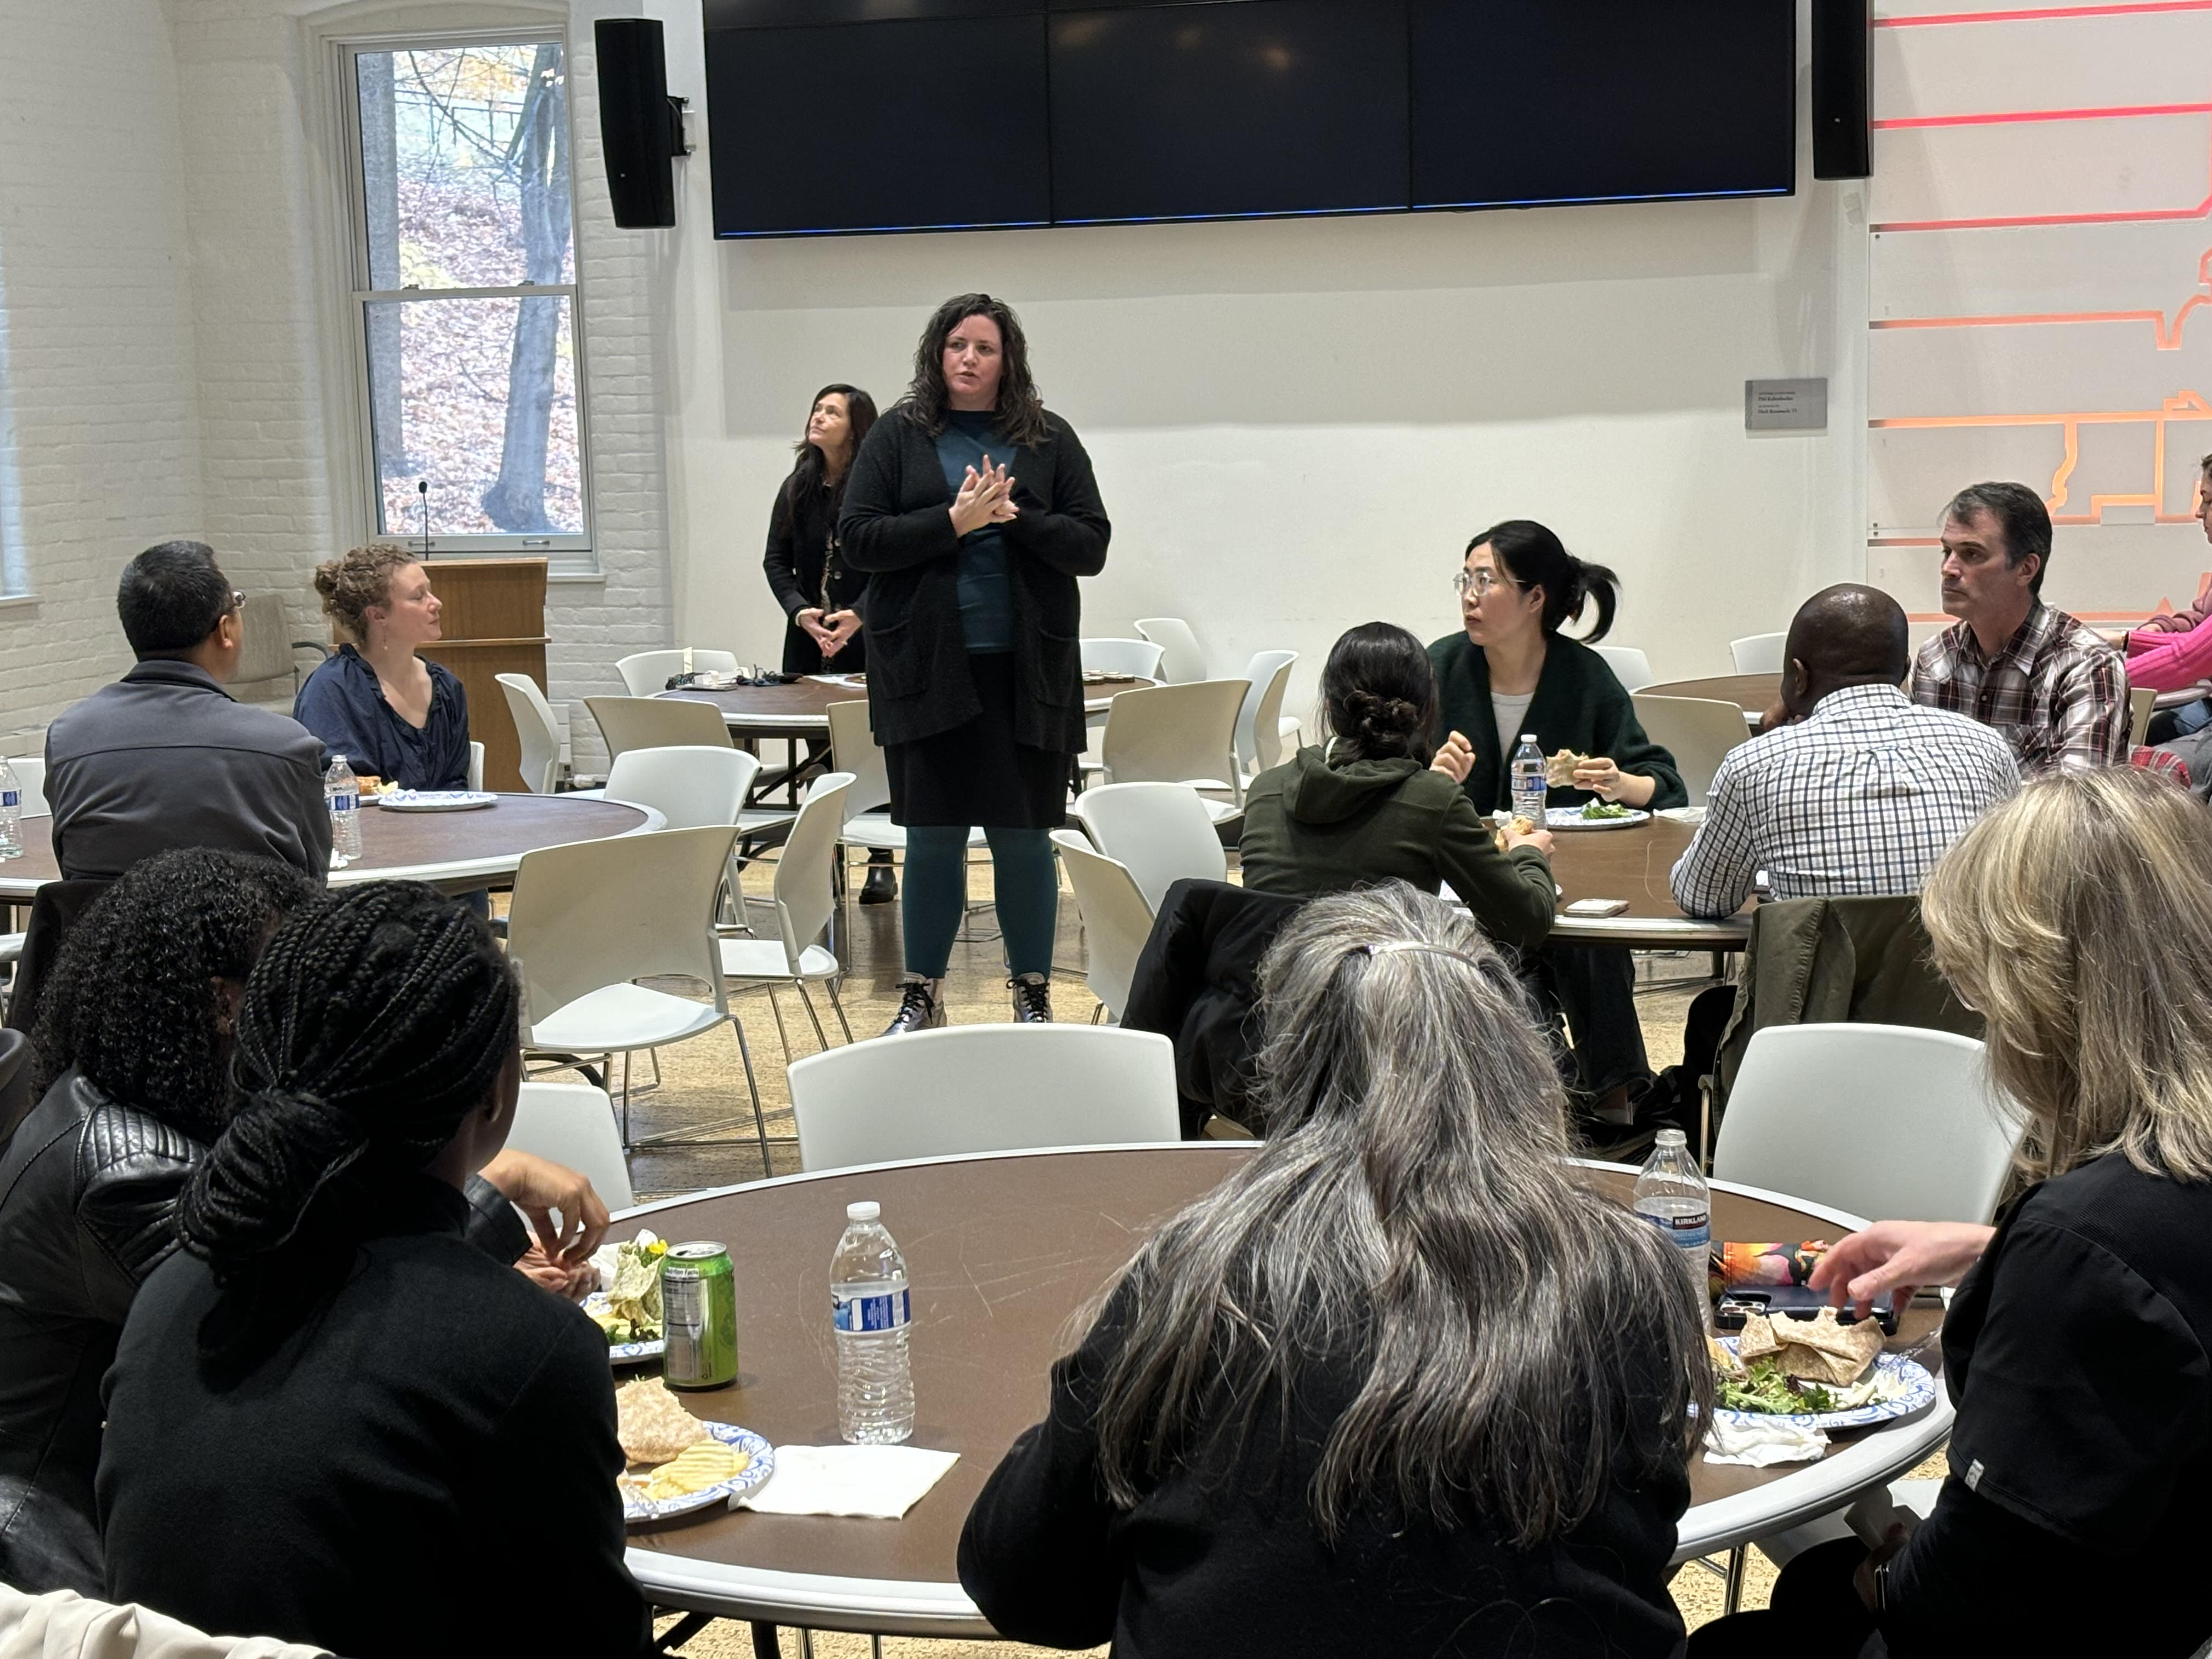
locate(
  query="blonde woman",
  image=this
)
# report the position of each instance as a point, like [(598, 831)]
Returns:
[(377, 703), (2078, 920)]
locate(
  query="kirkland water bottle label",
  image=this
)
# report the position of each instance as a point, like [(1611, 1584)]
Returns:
[(11, 798), (886, 1312), (1686, 1233), (344, 803)]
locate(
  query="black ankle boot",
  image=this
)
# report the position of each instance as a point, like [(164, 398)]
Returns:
[(881, 886)]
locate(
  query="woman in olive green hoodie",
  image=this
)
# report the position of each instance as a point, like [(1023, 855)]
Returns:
[(1374, 805)]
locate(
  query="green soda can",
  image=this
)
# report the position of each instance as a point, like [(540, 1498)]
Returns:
[(699, 1316)]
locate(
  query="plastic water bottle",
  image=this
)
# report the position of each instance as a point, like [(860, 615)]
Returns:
[(11, 812), (1529, 791), (870, 1312), (343, 793), (1673, 1196)]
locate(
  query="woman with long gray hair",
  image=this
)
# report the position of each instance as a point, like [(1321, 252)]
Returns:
[(1402, 1384)]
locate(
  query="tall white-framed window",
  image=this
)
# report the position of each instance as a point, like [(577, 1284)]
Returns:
[(464, 298)]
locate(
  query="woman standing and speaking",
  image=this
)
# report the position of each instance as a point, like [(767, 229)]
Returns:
[(973, 509)]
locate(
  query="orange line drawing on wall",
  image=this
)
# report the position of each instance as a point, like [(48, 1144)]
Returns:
[(2139, 215), (2042, 13), (2183, 406), (2012, 116), (2168, 334)]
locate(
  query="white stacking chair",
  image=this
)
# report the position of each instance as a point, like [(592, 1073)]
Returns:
[(1183, 660), (1259, 722), (1697, 731), (1160, 832), (853, 749), (1629, 666), (1177, 734), (476, 765), (1891, 1123), (1116, 920), (983, 1089), (1757, 653), (573, 1123), (539, 732), (1139, 657), (805, 898), (2142, 703), (647, 671), (590, 919), (629, 723), (691, 786)]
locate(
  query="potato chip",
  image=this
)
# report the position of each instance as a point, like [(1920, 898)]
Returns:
[(1560, 768), (695, 1470), (651, 1424)]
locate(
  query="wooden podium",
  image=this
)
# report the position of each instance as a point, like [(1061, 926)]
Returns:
[(494, 622)]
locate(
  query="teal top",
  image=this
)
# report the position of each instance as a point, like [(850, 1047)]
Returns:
[(987, 604), (1578, 705)]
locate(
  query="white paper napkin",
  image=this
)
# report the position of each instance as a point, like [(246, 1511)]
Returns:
[(1756, 1443), (883, 1482)]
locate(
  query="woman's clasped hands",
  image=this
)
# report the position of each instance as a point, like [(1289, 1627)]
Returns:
[(986, 497)]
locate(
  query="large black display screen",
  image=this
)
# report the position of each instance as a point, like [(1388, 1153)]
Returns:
[(832, 117)]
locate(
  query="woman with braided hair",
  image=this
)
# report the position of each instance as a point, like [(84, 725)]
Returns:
[(330, 1418), (1376, 802), (133, 1050)]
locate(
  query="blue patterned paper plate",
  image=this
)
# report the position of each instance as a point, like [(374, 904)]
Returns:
[(637, 1509), (625, 1353), (1917, 1391)]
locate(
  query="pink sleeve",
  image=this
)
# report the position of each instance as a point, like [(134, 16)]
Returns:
[(2178, 661)]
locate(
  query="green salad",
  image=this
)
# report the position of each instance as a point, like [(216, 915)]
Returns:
[(1605, 809), (1763, 1389)]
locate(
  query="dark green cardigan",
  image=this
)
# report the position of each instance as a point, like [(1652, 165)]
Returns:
[(1578, 706)]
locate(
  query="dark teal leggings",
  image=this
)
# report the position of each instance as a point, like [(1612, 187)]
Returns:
[(1024, 887)]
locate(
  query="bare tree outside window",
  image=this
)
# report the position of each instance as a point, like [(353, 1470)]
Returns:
[(469, 315)]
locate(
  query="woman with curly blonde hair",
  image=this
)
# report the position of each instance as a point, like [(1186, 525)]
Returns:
[(377, 703), (2078, 1349)]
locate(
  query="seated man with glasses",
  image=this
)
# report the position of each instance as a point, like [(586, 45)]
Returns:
[(165, 758)]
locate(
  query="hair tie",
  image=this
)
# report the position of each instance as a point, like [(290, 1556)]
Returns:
[(1391, 947)]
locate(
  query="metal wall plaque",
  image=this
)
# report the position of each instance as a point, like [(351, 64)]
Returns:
[(1785, 405)]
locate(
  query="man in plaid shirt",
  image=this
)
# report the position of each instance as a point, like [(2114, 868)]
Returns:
[(1859, 791), (2053, 688)]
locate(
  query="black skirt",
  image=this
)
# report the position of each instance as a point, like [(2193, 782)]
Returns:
[(976, 774)]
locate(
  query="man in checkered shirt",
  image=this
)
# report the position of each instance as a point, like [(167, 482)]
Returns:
[(1860, 790), (2053, 688)]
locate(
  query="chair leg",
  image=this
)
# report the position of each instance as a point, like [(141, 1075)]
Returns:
[(820, 1035), (1097, 1013), (838, 1003), (607, 1071), (752, 1087), (782, 1035)]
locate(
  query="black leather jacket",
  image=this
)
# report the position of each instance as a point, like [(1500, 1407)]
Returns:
[(88, 1188)]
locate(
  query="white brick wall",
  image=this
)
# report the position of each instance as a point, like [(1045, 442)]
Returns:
[(168, 306), (95, 317)]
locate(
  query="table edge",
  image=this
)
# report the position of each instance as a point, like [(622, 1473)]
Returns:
[(926, 1606)]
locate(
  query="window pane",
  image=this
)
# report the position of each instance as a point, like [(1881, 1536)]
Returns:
[(478, 398), (465, 166)]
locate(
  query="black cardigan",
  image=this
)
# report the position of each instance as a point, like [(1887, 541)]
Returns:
[(799, 529), (896, 527)]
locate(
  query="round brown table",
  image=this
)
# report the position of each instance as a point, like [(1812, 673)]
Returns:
[(1005, 1252), (1633, 864), (458, 852), (1752, 693), (801, 709)]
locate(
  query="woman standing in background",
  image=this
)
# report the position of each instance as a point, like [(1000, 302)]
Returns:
[(974, 509), (820, 593)]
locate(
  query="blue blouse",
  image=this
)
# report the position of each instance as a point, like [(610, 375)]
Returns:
[(342, 704)]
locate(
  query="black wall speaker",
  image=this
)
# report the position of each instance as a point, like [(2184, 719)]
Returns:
[(640, 126), (1843, 88)]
